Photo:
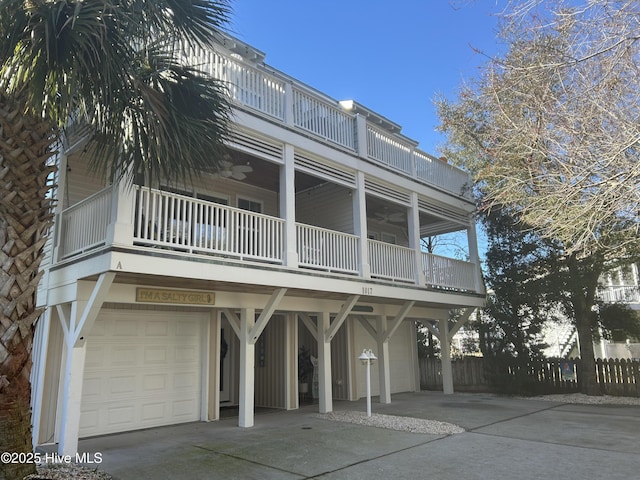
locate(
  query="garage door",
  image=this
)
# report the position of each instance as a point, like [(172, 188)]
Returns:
[(142, 369)]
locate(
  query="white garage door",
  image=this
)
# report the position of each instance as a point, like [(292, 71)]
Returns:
[(142, 369)]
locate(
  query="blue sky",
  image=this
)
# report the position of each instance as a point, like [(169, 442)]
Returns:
[(392, 57)]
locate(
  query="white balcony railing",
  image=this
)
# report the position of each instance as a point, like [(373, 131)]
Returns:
[(448, 272), (270, 94), (83, 226), (436, 172), (388, 150), (323, 119), (391, 262), (326, 249), (620, 293), (183, 223), (246, 84), (180, 223)]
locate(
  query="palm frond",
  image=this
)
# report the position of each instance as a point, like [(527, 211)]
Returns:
[(172, 122), (115, 62)]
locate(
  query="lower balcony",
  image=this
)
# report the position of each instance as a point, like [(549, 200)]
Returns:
[(173, 222)]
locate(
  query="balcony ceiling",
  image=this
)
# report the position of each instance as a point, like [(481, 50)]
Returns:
[(266, 175)]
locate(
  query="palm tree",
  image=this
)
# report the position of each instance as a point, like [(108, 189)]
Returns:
[(116, 65)]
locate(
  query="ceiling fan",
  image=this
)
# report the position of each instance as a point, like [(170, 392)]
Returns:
[(230, 170), (390, 217)]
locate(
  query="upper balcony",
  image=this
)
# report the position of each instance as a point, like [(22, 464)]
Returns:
[(345, 125)]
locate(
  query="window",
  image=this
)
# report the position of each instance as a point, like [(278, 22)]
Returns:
[(213, 199), (251, 205), (388, 238), (177, 191)]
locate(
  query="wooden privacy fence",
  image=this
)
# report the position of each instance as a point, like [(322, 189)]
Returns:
[(478, 374)]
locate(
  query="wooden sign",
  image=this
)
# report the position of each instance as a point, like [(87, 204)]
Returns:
[(181, 297)]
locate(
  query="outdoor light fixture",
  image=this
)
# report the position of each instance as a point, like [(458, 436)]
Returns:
[(367, 357)]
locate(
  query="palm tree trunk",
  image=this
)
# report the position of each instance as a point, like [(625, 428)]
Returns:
[(25, 216)]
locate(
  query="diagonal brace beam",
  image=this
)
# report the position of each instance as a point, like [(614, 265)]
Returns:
[(266, 314), (233, 319), (461, 321), (306, 320), (340, 318), (395, 323), (368, 327), (94, 304), (432, 328)]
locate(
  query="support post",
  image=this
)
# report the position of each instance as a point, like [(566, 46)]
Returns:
[(361, 136), (384, 373), (413, 217), (213, 412), (41, 342), (247, 368), (291, 397), (360, 225), (120, 230), (445, 354), (368, 388), (72, 385), (288, 207), (76, 325), (472, 240), (325, 401)]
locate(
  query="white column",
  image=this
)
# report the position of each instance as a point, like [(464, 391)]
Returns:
[(247, 368), (71, 399), (39, 353), (288, 207), (414, 238), (415, 361), (384, 373), (368, 380), (445, 355), (325, 402), (213, 398), (120, 229), (72, 385), (361, 136), (291, 396), (60, 205), (360, 225), (288, 104), (472, 240)]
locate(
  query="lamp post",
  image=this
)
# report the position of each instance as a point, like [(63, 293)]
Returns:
[(367, 357)]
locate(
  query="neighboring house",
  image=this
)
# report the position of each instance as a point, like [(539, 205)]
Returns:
[(622, 285), (164, 302)]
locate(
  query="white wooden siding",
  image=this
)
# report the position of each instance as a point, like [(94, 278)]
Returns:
[(80, 182), (327, 206), (233, 190)]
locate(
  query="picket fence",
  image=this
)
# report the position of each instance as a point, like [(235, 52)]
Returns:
[(478, 374)]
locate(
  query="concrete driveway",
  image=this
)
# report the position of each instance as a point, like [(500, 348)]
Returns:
[(504, 438)]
